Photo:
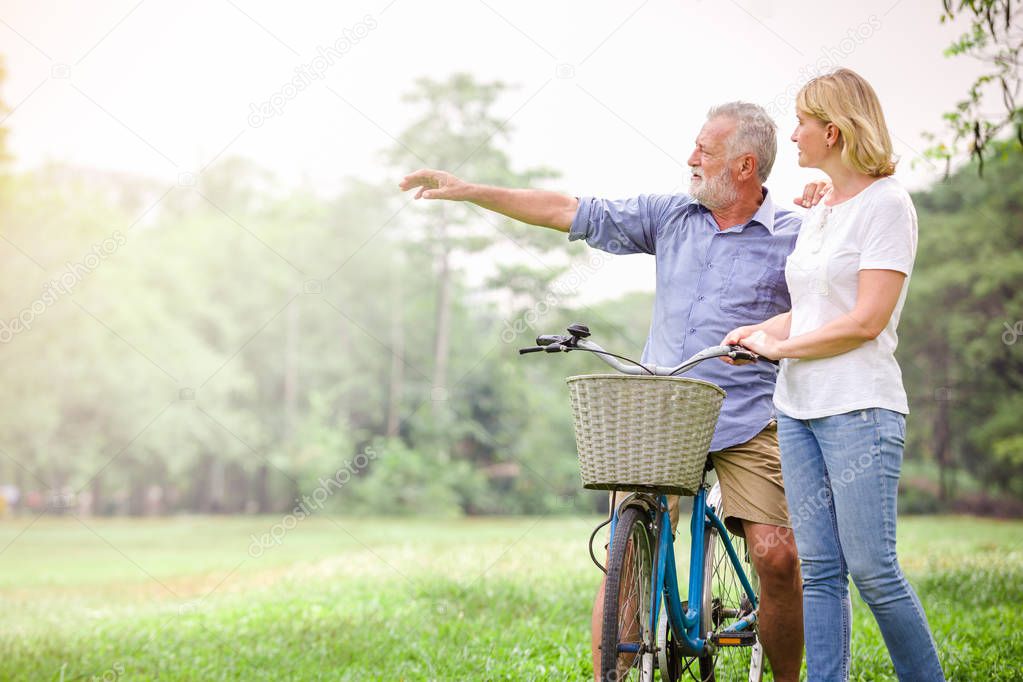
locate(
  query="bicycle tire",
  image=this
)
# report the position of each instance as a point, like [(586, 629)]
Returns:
[(724, 600), (627, 601)]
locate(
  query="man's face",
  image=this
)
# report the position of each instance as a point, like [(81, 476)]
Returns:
[(712, 183)]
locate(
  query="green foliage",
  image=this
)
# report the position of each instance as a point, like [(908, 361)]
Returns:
[(994, 38), (232, 345), (961, 355), (239, 344), (404, 481)]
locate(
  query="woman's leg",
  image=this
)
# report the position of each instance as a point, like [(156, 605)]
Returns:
[(826, 608), (863, 453)]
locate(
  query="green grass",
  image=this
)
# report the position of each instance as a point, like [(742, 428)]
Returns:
[(493, 599)]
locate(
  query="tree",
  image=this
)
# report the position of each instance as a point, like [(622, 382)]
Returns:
[(243, 343), (458, 131), (995, 38), (961, 336), (4, 156)]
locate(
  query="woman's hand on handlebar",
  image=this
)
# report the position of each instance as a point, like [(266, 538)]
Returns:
[(735, 338), (763, 344), (755, 339)]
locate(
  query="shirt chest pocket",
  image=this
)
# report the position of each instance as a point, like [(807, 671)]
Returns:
[(755, 287)]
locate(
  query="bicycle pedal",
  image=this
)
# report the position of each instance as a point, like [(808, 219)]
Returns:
[(741, 638)]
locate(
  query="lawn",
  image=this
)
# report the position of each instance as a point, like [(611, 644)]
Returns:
[(349, 599)]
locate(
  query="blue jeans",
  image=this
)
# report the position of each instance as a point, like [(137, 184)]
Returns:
[(841, 481)]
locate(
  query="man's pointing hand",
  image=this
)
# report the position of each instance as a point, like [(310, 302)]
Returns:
[(435, 184)]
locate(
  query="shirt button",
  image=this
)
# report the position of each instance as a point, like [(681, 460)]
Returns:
[(710, 265), (692, 331), (699, 298)]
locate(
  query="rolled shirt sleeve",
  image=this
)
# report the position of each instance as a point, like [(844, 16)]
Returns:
[(621, 225)]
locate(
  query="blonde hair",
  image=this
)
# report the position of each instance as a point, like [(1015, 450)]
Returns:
[(846, 99)]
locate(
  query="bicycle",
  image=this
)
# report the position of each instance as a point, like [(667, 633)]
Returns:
[(713, 631)]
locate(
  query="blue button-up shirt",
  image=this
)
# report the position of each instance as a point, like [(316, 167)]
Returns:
[(709, 281)]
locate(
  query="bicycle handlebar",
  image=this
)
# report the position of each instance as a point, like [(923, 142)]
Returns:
[(547, 339), (576, 340)]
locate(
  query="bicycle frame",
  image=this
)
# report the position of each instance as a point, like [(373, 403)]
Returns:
[(664, 580)]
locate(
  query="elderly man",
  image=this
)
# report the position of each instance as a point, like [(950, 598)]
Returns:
[(720, 252)]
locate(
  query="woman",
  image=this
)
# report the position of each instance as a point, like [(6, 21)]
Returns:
[(840, 400)]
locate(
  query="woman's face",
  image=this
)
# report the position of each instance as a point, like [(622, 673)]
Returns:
[(810, 137)]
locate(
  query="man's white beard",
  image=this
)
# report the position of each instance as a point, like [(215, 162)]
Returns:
[(715, 192)]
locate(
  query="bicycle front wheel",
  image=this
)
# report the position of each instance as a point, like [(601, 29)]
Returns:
[(627, 641), (725, 600)]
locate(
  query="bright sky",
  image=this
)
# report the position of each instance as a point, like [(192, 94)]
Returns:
[(610, 93)]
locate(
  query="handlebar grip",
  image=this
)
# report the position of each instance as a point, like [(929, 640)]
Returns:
[(742, 353), (531, 349)]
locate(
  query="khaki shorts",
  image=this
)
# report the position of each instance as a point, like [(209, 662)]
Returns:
[(751, 483)]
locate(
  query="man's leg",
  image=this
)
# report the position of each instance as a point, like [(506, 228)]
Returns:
[(754, 505), (773, 553), (596, 626)]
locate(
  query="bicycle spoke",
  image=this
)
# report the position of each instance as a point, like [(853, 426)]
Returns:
[(729, 603)]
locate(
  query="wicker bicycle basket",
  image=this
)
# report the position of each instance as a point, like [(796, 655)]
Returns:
[(643, 433)]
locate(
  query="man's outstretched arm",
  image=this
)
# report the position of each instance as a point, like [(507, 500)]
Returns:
[(533, 206)]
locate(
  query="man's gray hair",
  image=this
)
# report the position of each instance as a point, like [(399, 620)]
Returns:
[(755, 133)]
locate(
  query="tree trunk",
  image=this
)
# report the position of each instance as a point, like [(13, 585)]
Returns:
[(942, 431), (96, 493), (290, 370), (290, 383), (237, 497), (136, 490), (438, 395), (941, 448), (58, 502), (201, 502), (217, 487), (262, 491), (443, 315), (19, 483), (397, 384)]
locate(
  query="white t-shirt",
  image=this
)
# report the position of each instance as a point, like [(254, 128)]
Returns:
[(874, 230)]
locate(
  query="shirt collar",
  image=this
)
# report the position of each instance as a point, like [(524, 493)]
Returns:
[(764, 214)]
